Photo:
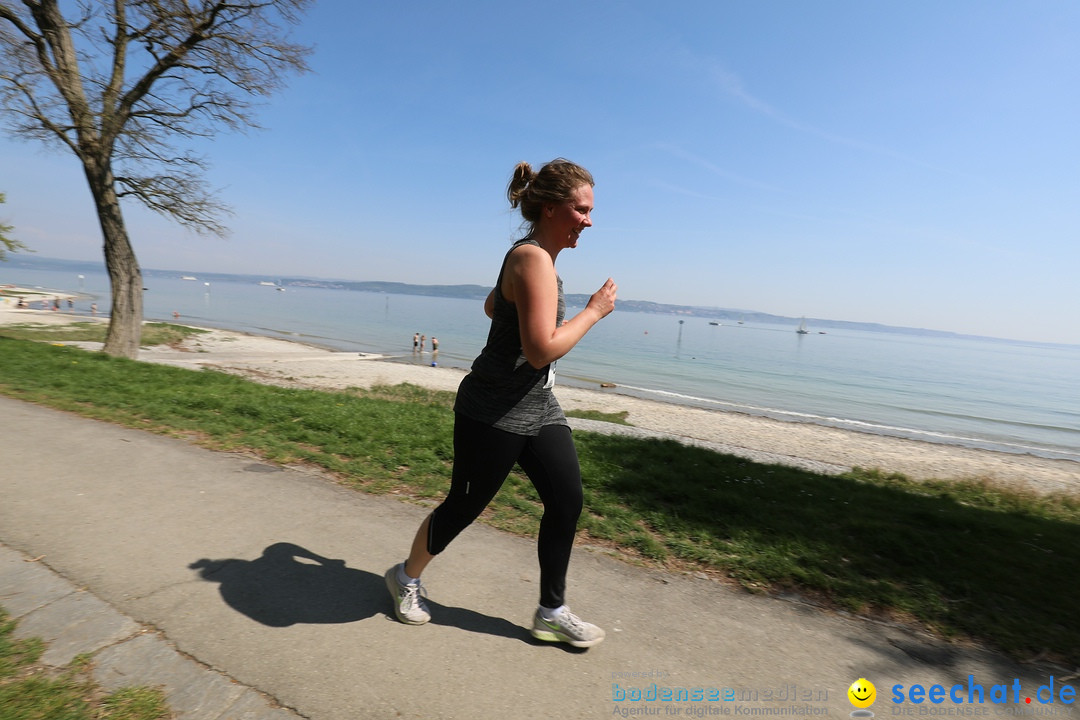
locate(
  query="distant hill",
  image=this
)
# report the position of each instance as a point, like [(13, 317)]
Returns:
[(480, 292), (469, 292)]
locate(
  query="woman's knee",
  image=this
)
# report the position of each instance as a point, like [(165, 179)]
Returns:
[(564, 508)]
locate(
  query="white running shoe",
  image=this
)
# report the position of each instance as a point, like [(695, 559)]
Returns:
[(409, 605), (567, 628)]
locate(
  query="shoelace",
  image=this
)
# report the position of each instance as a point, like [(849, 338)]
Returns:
[(571, 622), (413, 594)]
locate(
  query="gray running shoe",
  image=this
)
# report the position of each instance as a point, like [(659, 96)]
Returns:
[(409, 606), (567, 628)]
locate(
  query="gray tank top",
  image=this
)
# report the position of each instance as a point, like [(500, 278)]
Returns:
[(503, 389)]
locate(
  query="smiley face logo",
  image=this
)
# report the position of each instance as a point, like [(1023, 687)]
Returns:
[(862, 693)]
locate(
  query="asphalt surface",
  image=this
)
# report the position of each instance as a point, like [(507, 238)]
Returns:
[(253, 591)]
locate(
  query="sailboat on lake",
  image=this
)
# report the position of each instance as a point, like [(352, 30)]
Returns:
[(802, 327)]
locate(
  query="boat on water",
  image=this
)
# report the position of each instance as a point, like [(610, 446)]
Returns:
[(188, 277), (713, 323), (802, 328)]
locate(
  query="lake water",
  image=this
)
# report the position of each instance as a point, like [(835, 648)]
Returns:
[(1008, 396)]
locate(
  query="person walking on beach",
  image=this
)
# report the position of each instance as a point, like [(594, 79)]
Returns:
[(505, 411)]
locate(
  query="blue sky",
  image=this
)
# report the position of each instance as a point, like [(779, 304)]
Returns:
[(913, 164)]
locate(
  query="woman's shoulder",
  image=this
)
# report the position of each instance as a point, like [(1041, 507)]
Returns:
[(527, 250), (528, 260)]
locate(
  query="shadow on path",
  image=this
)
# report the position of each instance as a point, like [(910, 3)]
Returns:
[(290, 585)]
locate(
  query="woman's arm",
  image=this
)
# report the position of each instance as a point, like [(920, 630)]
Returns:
[(530, 283)]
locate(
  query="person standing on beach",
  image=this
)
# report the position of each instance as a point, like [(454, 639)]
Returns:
[(505, 411), (415, 342)]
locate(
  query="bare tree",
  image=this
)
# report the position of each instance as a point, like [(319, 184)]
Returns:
[(7, 243), (126, 81)]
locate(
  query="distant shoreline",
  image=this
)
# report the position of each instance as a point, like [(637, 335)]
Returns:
[(646, 391), (296, 364), (731, 315)]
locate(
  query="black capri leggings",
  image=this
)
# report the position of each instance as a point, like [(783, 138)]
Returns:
[(483, 457)]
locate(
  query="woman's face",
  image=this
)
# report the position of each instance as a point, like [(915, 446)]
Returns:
[(567, 220)]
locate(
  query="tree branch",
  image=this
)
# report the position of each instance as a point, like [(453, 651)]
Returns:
[(169, 69)]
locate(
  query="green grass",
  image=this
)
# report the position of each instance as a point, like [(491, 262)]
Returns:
[(31, 691), (88, 331), (618, 418), (963, 558)]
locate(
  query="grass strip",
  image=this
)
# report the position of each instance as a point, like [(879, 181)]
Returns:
[(962, 557), (91, 331), (31, 691)]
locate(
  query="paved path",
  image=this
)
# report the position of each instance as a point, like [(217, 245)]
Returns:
[(250, 591)]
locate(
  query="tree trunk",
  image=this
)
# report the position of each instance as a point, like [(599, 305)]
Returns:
[(125, 280), (125, 277)]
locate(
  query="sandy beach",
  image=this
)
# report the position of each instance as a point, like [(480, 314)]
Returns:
[(820, 448)]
